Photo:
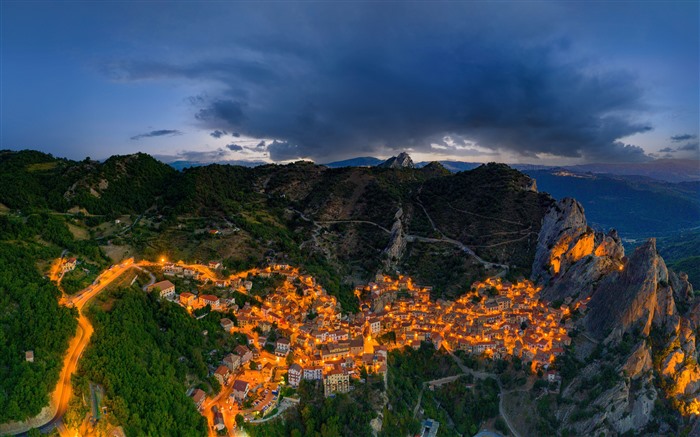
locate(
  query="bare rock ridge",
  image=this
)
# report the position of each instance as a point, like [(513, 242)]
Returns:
[(400, 161), (643, 317), (572, 253)]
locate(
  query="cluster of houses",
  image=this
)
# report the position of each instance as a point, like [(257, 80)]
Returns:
[(497, 318), (299, 329)]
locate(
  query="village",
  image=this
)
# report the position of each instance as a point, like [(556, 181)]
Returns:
[(298, 332)]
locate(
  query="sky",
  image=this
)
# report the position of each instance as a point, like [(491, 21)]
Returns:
[(519, 82)]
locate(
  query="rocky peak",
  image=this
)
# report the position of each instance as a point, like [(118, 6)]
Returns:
[(635, 296), (403, 160)]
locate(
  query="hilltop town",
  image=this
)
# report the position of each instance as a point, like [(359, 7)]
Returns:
[(298, 332)]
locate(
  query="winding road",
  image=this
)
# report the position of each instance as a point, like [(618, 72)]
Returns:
[(62, 393)]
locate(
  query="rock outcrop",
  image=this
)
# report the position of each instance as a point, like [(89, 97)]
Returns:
[(634, 297), (643, 317), (571, 257), (400, 161)]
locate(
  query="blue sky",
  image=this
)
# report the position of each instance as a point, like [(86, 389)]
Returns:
[(539, 82)]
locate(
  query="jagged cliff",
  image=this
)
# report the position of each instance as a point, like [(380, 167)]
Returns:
[(638, 331)]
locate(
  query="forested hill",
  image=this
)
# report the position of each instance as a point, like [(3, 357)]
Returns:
[(342, 224), (121, 184)]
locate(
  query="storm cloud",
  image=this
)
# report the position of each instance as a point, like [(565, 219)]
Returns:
[(381, 92), (157, 133)]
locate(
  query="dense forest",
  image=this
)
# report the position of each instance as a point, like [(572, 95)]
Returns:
[(141, 353), (30, 317)]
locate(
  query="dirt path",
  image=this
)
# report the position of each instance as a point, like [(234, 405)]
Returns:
[(409, 237)]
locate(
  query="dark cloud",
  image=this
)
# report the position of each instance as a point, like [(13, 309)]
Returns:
[(235, 134), (667, 150), (689, 147), (157, 133), (218, 133), (683, 137), (234, 147), (229, 111), (283, 151), (381, 91)]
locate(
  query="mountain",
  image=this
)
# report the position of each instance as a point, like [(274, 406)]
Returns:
[(363, 161), (181, 165), (402, 160)]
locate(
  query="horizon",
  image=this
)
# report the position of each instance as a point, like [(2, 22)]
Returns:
[(565, 85), (291, 161)]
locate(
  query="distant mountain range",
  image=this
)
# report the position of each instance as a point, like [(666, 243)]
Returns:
[(669, 170)]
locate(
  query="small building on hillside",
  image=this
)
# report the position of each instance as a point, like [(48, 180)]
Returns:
[(69, 265), (187, 299), (166, 289), (336, 381), (294, 374), (227, 324), (221, 374), (232, 361), (198, 397), (240, 390), (243, 352)]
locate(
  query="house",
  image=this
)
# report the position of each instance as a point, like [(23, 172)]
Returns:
[(214, 265), (294, 374), (227, 324), (221, 374), (240, 390), (243, 352), (375, 326), (336, 381), (218, 419), (166, 289), (187, 299), (232, 361), (357, 346), (29, 356), (170, 269), (69, 265), (211, 300), (282, 347), (267, 371), (313, 373), (198, 397)]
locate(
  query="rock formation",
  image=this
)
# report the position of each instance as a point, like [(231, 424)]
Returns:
[(400, 161), (641, 322)]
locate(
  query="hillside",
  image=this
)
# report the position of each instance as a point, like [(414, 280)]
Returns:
[(343, 224)]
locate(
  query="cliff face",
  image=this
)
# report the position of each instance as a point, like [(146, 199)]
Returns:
[(639, 328), (571, 257)]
